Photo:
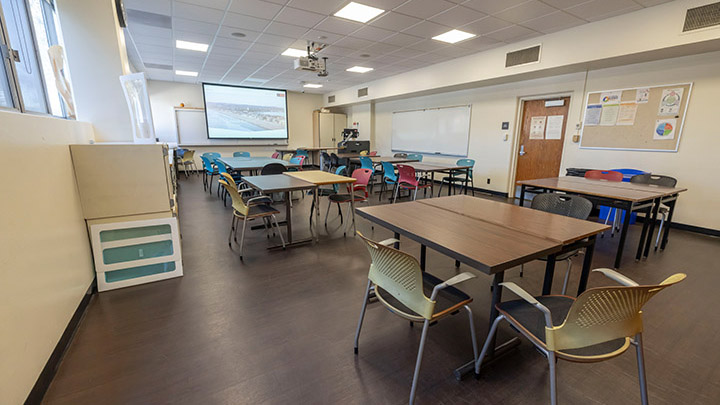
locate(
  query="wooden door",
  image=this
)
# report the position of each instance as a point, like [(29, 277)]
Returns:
[(540, 151)]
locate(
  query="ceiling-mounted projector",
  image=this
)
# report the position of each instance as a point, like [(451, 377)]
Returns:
[(311, 62)]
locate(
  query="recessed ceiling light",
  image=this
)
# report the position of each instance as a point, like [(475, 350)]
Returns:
[(358, 12), (312, 85), (238, 35), (359, 69), (186, 73), (296, 53), (191, 46), (453, 36)]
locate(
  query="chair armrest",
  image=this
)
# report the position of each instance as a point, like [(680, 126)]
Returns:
[(614, 275), (244, 190), (450, 282), (517, 290), (262, 197), (388, 242)]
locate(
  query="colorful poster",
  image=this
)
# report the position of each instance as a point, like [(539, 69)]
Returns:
[(537, 127), (610, 98), (609, 115), (665, 129), (554, 127), (642, 95), (670, 101), (592, 114), (627, 113)]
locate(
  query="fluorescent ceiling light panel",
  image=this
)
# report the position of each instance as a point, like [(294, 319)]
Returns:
[(359, 12), (453, 36), (312, 85), (191, 46), (359, 69), (186, 73), (296, 53)]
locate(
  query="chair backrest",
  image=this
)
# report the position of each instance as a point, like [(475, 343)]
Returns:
[(298, 160), (406, 174), (654, 179), (628, 173), (609, 175), (604, 314), (301, 152), (241, 154), (287, 156), (366, 163), (211, 155), (340, 171), (400, 155), (275, 155), (399, 274), (363, 153), (237, 202), (373, 153), (207, 164), (327, 161), (415, 156), (228, 179), (273, 168), (563, 204), (467, 162), (362, 176), (188, 155), (389, 171), (221, 167)]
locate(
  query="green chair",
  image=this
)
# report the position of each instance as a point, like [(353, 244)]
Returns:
[(463, 176), (241, 154)]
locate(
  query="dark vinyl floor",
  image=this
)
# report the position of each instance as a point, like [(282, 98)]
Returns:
[(278, 328)]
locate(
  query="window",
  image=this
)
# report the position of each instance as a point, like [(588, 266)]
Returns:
[(30, 29)]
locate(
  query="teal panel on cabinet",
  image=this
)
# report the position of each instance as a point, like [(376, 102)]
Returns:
[(132, 233), (137, 252), (141, 271)]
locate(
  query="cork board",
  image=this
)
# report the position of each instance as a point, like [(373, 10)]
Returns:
[(646, 118)]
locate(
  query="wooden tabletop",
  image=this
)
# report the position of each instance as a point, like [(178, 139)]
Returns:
[(558, 228), (627, 185), (252, 163), (320, 178), (486, 246), (594, 188), (274, 183), (437, 167)]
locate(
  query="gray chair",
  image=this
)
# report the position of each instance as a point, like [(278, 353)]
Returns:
[(400, 155), (656, 180), (562, 204)]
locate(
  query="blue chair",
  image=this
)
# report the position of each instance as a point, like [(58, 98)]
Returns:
[(389, 177), (301, 152), (464, 176), (222, 168), (326, 192), (415, 156), (208, 170), (212, 156), (297, 160), (619, 215), (241, 154)]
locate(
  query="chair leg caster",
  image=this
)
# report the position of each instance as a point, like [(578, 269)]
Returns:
[(356, 350), (477, 376), (241, 258), (412, 324)]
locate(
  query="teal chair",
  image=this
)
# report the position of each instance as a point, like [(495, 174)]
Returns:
[(222, 168), (415, 156), (326, 192), (464, 176), (301, 152), (241, 154), (208, 170), (212, 156), (389, 177), (367, 163)]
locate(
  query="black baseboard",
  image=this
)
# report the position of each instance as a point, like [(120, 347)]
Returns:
[(686, 227), (48, 372)]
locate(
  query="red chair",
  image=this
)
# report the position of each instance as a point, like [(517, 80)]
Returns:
[(408, 180), (362, 177), (275, 155), (609, 175), (372, 153)]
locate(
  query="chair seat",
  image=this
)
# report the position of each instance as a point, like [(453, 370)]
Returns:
[(449, 300), (532, 322), (261, 210), (343, 198), (563, 256), (324, 192), (412, 187)]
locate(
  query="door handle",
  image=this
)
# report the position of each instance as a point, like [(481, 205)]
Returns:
[(522, 150)]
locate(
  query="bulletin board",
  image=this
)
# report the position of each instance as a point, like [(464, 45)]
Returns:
[(639, 118)]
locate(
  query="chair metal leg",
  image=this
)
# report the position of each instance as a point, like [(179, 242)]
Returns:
[(362, 315), (487, 344), (567, 275), (421, 349), (397, 188), (415, 195), (277, 225), (553, 377), (232, 228), (473, 337), (641, 368), (522, 269), (242, 237), (662, 222), (327, 213)]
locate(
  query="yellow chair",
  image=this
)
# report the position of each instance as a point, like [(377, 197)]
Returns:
[(600, 324), (402, 287), (363, 153), (287, 156), (256, 207), (188, 161)]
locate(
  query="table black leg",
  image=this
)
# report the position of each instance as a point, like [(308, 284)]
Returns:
[(457, 263), (522, 195), (288, 217), (623, 236), (549, 273), (587, 264), (423, 254), (397, 244), (648, 242), (643, 234), (668, 221)]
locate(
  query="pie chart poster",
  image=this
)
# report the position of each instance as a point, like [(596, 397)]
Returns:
[(665, 129)]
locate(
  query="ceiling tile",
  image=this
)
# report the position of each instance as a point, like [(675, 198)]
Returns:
[(255, 8), (407, 53), (395, 21), (597, 9), (424, 8), (380, 48), (193, 37), (372, 33), (151, 40), (303, 18), (146, 30), (383, 4), (511, 33), (194, 26), (556, 21), (457, 16), (486, 25), (150, 6), (354, 43), (428, 45), (197, 13), (337, 51), (480, 43), (427, 29), (218, 4), (226, 32), (288, 30), (277, 40), (326, 7), (401, 39), (245, 22), (338, 25), (492, 6), (525, 11), (230, 43), (322, 36)]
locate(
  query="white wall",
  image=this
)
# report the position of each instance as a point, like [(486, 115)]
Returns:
[(46, 263), (494, 104), (165, 96)]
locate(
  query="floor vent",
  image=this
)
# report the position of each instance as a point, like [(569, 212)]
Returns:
[(523, 56), (702, 17), (363, 92), (331, 99)]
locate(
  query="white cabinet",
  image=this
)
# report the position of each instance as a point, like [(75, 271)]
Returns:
[(328, 128)]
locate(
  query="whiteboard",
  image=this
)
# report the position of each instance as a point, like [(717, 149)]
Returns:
[(439, 131), (192, 131)]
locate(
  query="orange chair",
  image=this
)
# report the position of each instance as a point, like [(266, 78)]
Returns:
[(609, 175)]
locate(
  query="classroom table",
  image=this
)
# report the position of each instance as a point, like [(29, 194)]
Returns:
[(379, 159), (620, 195), (320, 178), (279, 183), (432, 168), (312, 151), (489, 236), (252, 164)]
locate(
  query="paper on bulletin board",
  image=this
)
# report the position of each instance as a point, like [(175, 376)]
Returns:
[(670, 101), (592, 114), (627, 113), (642, 95), (610, 98), (609, 115), (665, 129), (537, 127), (554, 127)]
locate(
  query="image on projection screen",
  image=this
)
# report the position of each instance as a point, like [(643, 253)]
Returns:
[(234, 112)]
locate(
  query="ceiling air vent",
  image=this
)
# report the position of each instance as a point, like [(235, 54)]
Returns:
[(158, 66), (702, 17), (523, 56), (331, 99), (363, 92), (147, 18)]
